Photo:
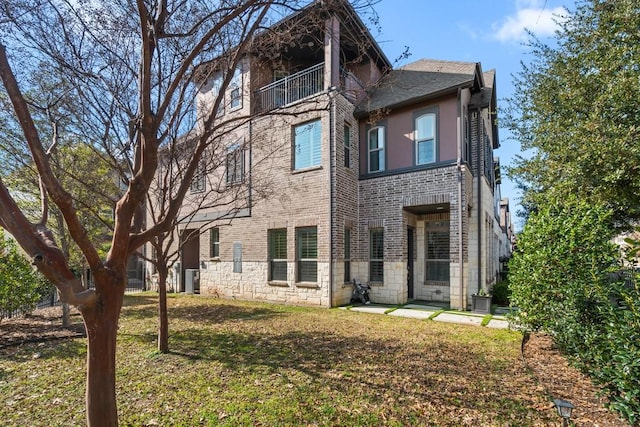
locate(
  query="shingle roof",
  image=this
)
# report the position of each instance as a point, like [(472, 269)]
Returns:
[(419, 80), (484, 97), (440, 66)]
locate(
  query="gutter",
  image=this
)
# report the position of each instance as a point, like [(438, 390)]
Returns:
[(479, 178)]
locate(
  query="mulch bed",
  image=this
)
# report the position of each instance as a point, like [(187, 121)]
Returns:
[(559, 380), (554, 375), (42, 325)]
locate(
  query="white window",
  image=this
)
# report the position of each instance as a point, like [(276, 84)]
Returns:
[(216, 85), (307, 145), (235, 87), (376, 149), (425, 136)]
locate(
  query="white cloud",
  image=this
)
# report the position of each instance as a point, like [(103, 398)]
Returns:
[(531, 15)]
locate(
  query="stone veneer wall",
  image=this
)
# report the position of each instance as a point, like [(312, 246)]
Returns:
[(218, 278)]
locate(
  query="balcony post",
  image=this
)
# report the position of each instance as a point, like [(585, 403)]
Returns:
[(332, 52)]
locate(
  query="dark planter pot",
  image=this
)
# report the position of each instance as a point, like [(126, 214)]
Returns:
[(481, 304)]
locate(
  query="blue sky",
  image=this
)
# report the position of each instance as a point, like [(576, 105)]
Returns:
[(491, 32)]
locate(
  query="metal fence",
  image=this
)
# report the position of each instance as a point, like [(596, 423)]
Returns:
[(135, 283)]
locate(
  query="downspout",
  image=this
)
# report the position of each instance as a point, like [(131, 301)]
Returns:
[(332, 137), (250, 167), (479, 150), (463, 304)]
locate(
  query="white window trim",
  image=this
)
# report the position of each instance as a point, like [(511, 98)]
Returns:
[(381, 137), (431, 138), (236, 84), (300, 260), (294, 146), (271, 260), (213, 243)]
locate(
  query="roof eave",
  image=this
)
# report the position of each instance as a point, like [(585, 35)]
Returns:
[(361, 114)]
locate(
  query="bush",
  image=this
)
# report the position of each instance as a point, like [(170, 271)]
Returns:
[(560, 278), (21, 286), (501, 293)]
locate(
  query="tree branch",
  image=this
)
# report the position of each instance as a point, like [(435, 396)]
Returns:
[(62, 199)]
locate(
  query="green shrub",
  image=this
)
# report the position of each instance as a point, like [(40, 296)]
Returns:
[(501, 293), (21, 286), (560, 278)]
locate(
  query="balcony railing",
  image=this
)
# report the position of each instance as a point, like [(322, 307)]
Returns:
[(291, 88)]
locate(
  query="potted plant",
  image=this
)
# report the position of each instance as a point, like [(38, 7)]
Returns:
[(481, 302)]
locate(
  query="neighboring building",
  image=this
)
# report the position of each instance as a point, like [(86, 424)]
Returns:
[(508, 236), (390, 178)]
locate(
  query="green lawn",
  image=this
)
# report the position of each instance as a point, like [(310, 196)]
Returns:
[(247, 364)]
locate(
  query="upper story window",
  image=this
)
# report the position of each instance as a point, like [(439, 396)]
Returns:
[(235, 164), (199, 180), (347, 146), (375, 142), (467, 137), (235, 88), (425, 136), (216, 85), (307, 150), (489, 168)]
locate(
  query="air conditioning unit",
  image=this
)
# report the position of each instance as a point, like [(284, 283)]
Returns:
[(191, 280)]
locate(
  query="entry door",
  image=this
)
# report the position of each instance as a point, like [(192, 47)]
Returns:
[(190, 253), (410, 240)]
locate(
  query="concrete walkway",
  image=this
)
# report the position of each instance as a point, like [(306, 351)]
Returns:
[(433, 312)]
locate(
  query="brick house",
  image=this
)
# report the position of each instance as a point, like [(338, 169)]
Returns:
[(386, 176)]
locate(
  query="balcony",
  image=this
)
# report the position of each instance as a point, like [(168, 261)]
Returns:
[(291, 88)]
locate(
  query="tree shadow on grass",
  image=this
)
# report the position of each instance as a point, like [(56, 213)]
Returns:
[(208, 313), (203, 313), (138, 300), (49, 349), (375, 369)]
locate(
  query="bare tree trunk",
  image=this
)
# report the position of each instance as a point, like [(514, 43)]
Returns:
[(101, 323), (65, 314), (163, 317), (64, 245)]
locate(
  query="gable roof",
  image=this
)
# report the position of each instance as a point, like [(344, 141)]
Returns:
[(421, 80), (487, 98)]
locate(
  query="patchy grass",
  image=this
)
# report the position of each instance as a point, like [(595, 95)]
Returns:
[(246, 364)]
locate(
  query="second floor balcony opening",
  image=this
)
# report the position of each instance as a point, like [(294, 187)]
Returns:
[(291, 88)]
